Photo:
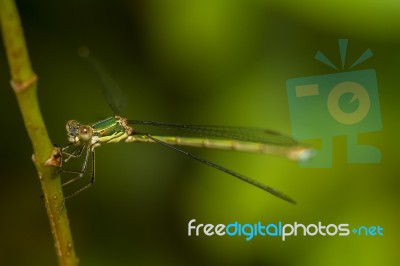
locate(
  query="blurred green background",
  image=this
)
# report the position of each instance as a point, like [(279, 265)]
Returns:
[(200, 62)]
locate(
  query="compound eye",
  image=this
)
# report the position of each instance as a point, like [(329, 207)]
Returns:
[(72, 127), (85, 132)]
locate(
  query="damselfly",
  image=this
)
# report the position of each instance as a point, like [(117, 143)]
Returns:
[(85, 138)]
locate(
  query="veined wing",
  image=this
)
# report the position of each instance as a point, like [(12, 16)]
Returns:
[(230, 138), (257, 135), (249, 180), (111, 90)]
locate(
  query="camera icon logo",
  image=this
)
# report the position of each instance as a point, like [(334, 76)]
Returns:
[(358, 92), (339, 104)]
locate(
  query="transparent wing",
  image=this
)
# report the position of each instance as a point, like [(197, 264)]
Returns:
[(249, 180), (111, 90), (226, 132)]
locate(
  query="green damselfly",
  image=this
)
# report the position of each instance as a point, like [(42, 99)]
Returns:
[(85, 138)]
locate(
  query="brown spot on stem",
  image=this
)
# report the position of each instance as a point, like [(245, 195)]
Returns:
[(55, 158)]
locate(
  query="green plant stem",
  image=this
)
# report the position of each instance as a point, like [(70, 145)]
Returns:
[(24, 83)]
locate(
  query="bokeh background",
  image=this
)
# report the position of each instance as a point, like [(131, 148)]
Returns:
[(200, 62)]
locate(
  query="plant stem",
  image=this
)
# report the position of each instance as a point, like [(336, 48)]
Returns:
[(24, 83)]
